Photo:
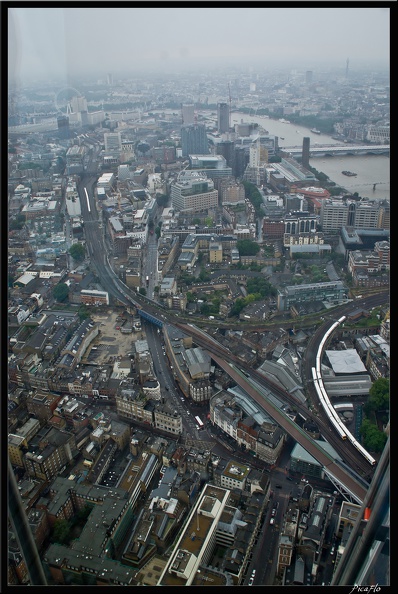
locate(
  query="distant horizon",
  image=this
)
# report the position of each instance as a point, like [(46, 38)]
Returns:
[(147, 73)]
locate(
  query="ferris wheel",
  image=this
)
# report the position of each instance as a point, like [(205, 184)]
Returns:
[(63, 98)]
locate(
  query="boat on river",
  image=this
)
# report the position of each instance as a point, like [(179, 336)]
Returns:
[(315, 131), (349, 173)]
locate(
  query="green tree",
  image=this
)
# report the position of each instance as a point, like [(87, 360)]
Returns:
[(84, 512), (203, 275), (252, 193), (259, 285), (247, 247), (205, 309), (142, 291), (61, 292), (143, 147), (61, 532), (208, 221), (77, 251), (379, 396), (83, 313), (187, 278), (237, 307), (373, 439)]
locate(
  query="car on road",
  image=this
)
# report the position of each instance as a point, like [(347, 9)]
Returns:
[(251, 581), (272, 521), (278, 486)]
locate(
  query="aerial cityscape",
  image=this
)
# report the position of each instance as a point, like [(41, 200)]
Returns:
[(198, 297)]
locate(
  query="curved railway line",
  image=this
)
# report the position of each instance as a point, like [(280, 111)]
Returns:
[(335, 471), (346, 450), (354, 485)]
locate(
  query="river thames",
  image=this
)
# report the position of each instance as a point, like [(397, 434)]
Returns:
[(370, 169)]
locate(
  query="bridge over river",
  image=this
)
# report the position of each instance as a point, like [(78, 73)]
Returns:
[(334, 150)]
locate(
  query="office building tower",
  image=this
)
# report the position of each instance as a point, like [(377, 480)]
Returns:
[(188, 114), (305, 158), (193, 192), (241, 161), (337, 213), (63, 127), (227, 150), (78, 104), (194, 140), (84, 118), (213, 166), (258, 154), (109, 78), (222, 117), (308, 77), (113, 141)]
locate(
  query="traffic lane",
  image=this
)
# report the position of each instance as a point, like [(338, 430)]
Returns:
[(264, 552)]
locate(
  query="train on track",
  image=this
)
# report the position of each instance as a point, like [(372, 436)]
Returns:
[(327, 406)]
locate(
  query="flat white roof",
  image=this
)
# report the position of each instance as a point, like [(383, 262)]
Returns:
[(347, 361)]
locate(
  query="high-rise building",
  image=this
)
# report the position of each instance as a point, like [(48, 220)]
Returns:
[(222, 117), (337, 213), (213, 166), (308, 77), (241, 161), (63, 126), (227, 150), (194, 192), (305, 158), (194, 140), (188, 114), (258, 154), (78, 104), (113, 141)]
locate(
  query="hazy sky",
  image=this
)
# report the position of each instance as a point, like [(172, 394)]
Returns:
[(68, 41)]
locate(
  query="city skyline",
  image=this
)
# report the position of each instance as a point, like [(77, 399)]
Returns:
[(70, 41)]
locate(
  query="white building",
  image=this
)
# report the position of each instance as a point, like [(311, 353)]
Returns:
[(194, 192)]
